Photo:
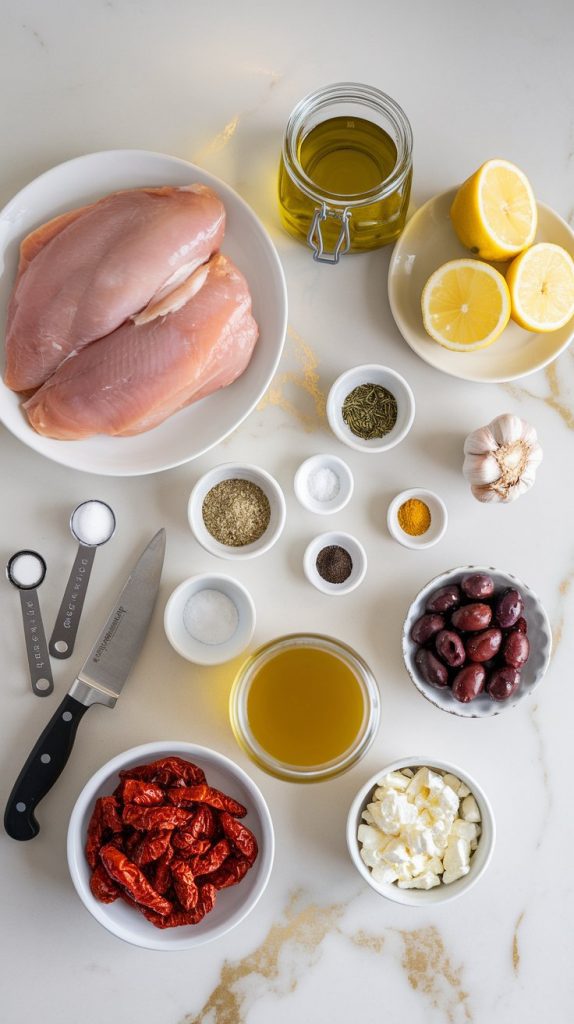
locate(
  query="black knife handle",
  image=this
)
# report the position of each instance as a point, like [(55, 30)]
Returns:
[(43, 767)]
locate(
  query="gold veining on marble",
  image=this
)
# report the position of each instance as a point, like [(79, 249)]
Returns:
[(555, 400), (558, 629), (219, 141), (301, 933), (367, 941), (515, 950), (430, 971), (305, 380), (545, 774)]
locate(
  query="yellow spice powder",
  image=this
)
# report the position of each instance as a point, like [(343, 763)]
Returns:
[(414, 517)]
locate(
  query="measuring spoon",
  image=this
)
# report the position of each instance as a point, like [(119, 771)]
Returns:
[(26, 571), (92, 523)]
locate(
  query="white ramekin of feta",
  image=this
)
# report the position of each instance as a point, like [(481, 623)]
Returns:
[(421, 831)]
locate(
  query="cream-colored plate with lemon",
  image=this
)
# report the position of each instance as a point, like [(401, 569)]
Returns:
[(429, 241)]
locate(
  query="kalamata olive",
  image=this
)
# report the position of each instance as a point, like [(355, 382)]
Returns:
[(515, 649), (471, 618), (483, 646), (450, 648), (508, 608), (430, 668), (444, 599), (503, 683), (425, 627), (521, 625), (468, 683), (477, 586)]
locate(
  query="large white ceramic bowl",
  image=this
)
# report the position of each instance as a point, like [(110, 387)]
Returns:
[(428, 241), (204, 424), (531, 675), (232, 905), (479, 860)]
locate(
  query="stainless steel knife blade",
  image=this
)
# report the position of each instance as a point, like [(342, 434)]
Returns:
[(115, 651)]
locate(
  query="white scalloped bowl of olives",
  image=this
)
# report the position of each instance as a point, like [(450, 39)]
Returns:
[(476, 641)]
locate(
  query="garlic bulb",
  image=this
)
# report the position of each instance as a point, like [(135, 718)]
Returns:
[(501, 459)]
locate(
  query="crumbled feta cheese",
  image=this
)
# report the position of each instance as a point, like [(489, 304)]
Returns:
[(470, 811), (419, 829)]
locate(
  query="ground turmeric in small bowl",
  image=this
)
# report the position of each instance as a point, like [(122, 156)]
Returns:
[(417, 518), (414, 517)]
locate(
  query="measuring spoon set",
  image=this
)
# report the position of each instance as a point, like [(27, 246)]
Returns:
[(92, 524)]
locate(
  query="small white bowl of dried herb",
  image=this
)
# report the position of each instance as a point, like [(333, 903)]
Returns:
[(236, 511), (335, 563), (370, 408), (417, 518)]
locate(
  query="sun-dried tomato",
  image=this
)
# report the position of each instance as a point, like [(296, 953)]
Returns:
[(186, 795), (162, 876), (146, 818), (241, 837), (102, 886), (187, 846), (230, 873), (111, 814), (168, 771), (95, 835), (212, 860), (135, 791), (184, 884), (151, 847), (127, 875)]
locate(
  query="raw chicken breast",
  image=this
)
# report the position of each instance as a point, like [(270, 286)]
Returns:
[(198, 339), (84, 273)]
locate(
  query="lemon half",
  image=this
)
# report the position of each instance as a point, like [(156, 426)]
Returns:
[(541, 283), (494, 211), (465, 305)]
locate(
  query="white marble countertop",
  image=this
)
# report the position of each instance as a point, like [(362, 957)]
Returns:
[(214, 83)]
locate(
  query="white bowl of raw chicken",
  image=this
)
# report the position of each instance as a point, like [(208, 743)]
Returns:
[(200, 426)]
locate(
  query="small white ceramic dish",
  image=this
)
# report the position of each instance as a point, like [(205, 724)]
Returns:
[(232, 904), (193, 649), (358, 558), (428, 241), (203, 424), (371, 373), (539, 635), (438, 523), (479, 861), (231, 471), (316, 464)]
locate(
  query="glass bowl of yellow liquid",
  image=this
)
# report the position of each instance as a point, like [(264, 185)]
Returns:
[(346, 170), (305, 707)]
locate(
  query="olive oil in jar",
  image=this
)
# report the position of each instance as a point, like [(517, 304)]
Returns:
[(305, 706), (344, 179)]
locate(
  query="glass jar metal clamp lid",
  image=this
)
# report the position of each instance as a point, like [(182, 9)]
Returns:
[(346, 170)]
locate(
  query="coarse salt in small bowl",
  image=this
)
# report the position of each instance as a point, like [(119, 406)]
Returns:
[(237, 471), (442, 893), (323, 484), (216, 630), (371, 373), (438, 518), (340, 540)]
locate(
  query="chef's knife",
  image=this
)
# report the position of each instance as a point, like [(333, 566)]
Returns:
[(99, 682)]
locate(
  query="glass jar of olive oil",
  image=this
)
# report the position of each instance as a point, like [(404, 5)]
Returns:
[(346, 170), (305, 707)]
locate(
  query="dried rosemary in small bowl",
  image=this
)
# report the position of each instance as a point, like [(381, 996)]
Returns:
[(370, 411)]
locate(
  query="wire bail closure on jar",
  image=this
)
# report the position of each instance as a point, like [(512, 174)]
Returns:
[(315, 237)]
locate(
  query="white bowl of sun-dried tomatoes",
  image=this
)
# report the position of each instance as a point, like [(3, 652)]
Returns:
[(170, 845)]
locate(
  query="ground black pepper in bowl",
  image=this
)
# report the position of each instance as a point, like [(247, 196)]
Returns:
[(334, 564)]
